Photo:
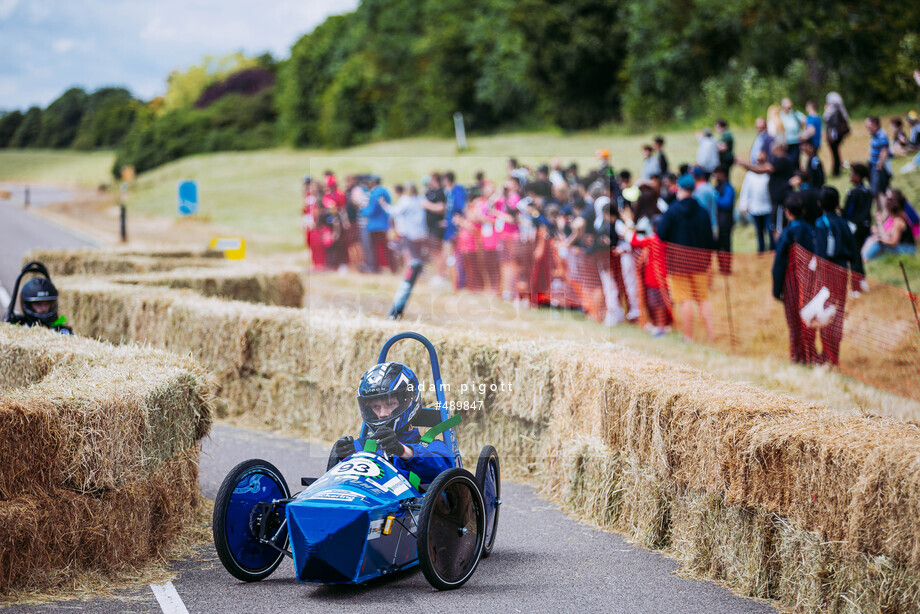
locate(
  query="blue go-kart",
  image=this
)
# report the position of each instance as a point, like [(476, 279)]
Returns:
[(363, 519)]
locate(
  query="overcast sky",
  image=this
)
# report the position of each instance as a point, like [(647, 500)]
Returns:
[(48, 46)]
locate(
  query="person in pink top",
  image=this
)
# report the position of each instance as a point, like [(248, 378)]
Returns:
[(489, 238), (506, 228)]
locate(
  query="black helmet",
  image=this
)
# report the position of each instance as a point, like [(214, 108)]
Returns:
[(389, 387), (35, 298)]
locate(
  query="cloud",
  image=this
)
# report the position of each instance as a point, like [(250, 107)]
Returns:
[(63, 45), (95, 43), (7, 7)]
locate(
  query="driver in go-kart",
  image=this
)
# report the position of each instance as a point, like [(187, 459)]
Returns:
[(389, 397)]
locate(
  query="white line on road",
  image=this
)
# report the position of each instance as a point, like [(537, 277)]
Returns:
[(168, 598), (4, 298)]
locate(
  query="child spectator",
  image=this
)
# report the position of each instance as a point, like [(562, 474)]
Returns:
[(814, 169), (654, 270), (835, 245), (858, 206), (892, 234), (786, 283)]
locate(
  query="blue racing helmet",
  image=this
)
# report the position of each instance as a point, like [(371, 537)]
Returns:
[(389, 395)]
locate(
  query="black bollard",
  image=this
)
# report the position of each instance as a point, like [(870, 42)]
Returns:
[(124, 222)]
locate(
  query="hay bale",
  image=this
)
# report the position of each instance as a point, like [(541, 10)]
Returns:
[(98, 449), (246, 283), (48, 538), (647, 432), (111, 261)]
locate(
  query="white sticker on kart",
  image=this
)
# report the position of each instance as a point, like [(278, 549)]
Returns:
[(396, 485), (376, 529), (337, 495), (359, 467)]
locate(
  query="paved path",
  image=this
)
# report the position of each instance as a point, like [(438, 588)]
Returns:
[(543, 562), (21, 230)]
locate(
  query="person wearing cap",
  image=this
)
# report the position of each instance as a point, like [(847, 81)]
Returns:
[(687, 224)]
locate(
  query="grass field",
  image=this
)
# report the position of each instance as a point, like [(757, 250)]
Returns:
[(257, 195)]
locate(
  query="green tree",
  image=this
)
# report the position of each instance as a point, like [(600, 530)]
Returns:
[(9, 123), (186, 86), (61, 119), (316, 59), (29, 130), (109, 114)]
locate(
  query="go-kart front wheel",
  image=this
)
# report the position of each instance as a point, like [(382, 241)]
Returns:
[(490, 483), (237, 521), (451, 531)]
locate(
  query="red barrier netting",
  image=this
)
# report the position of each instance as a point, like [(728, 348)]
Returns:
[(719, 299)]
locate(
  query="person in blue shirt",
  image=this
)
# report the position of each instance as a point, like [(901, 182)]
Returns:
[(389, 397), (813, 124), (835, 244), (706, 195), (879, 153), (787, 285), (725, 218), (378, 223), (456, 201)]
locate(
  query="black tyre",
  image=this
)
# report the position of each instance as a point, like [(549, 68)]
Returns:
[(235, 526), (489, 479), (451, 529)]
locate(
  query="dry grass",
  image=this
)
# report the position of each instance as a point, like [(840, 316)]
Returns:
[(99, 455)]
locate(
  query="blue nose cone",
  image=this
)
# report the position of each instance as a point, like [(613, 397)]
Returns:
[(327, 542)]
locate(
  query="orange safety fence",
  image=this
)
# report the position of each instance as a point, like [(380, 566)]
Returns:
[(724, 300)]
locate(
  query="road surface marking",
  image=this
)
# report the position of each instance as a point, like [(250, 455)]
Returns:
[(4, 298), (168, 598)]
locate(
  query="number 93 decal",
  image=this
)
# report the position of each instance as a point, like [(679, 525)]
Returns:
[(363, 468)]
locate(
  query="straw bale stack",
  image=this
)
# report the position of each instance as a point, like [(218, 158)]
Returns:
[(240, 282), (775, 497), (120, 261), (98, 453)]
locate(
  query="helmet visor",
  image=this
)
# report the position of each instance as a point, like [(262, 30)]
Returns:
[(381, 408), (41, 306)]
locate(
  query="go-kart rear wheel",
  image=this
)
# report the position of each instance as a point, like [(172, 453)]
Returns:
[(451, 529), (235, 526), (490, 483)]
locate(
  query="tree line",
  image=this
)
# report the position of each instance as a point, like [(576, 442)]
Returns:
[(397, 68)]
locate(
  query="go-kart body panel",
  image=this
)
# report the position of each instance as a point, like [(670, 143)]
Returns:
[(338, 525)]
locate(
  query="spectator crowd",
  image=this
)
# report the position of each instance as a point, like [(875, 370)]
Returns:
[(619, 245)]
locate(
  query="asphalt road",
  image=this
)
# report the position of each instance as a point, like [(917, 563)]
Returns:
[(21, 231), (543, 562)]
